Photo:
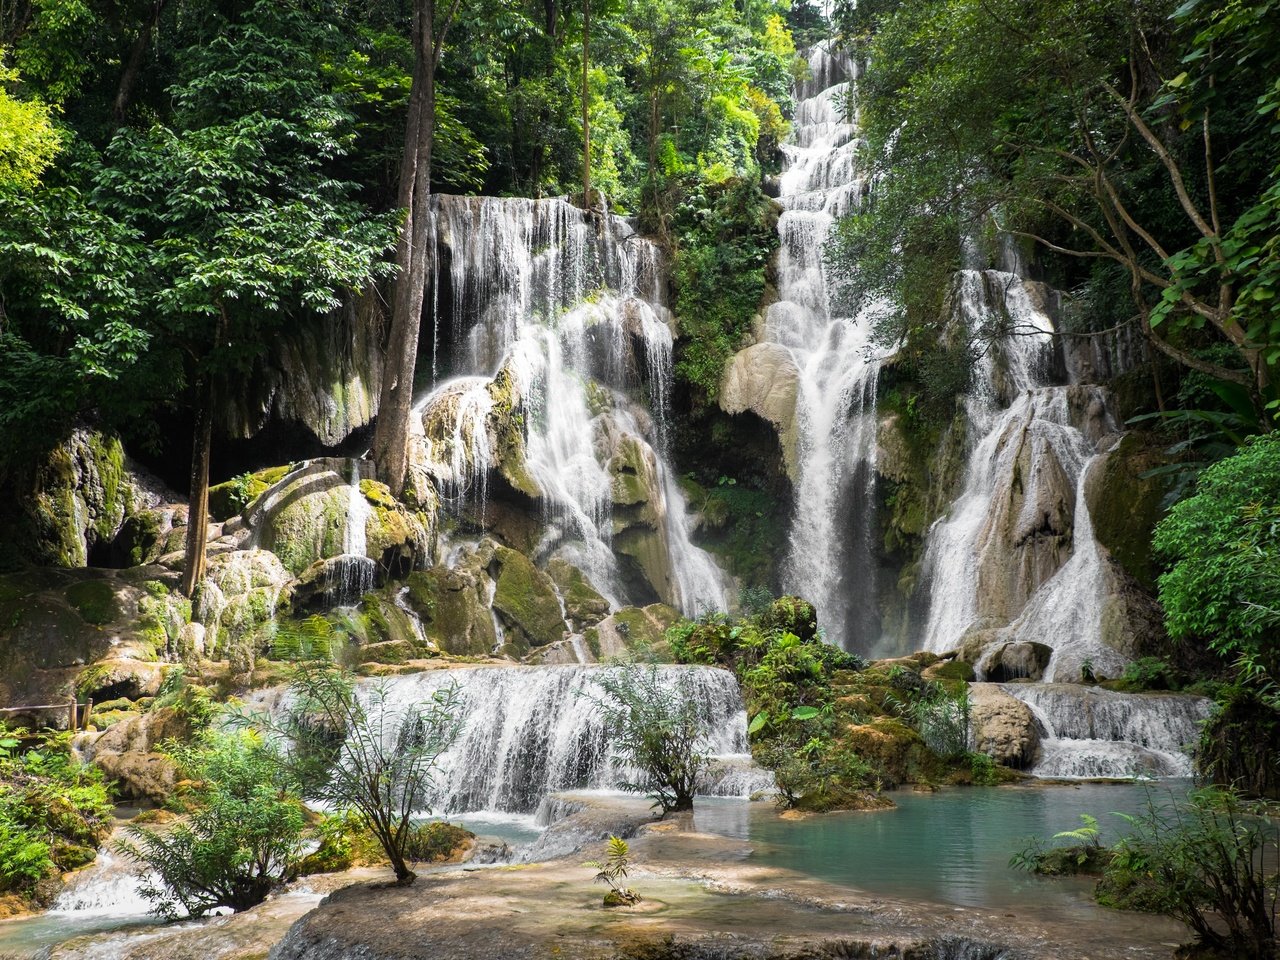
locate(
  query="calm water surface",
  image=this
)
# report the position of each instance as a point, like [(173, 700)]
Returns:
[(952, 846)]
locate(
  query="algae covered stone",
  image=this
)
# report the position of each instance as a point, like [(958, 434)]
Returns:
[(525, 598)]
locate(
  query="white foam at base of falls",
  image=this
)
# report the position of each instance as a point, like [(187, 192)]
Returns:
[(528, 732), (1094, 732), (829, 559), (107, 887)]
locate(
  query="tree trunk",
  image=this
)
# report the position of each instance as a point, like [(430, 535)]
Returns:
[(198, 507), (133, 65), (391, 435), (586, 106)]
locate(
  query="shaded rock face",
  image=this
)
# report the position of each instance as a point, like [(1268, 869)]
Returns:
[(639, 513), (72, 507), (1125, 505), (526, 601), (324, 375), (88, 633), (583, 605), (764, 380), (452, 602), (1004, 728)]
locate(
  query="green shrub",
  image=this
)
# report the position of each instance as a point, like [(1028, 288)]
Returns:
[(243, 837), (358, 751), (436, 841), (1223, 545), (658, 729), (725, 234), (54, 811), (1207, 861), (786, 672)]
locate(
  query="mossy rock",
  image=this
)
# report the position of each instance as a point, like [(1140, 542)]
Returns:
[(94, 600), (450, 603), (507, 427), (955, 670), (888, 745), (68, 506), (634, 633), (583, 605), (1124, 506), (526, 600), (232, 496)]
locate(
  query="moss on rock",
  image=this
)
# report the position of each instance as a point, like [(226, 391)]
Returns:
[(525, 598), (1124, 505)]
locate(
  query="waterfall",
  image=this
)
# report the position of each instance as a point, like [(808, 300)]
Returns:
[(830, 553), (552, 327), (529, 731), (1016, 559), (1093, 732), (352, 574)]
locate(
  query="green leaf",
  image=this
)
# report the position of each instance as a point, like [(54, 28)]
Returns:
[(804, 713)]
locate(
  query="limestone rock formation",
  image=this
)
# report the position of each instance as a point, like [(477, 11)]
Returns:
[(88, 633), (1004, 727), (128, 752), (452, 602), (69, 511), (583, 606), (526, 602), (764, 380), (324, 376)]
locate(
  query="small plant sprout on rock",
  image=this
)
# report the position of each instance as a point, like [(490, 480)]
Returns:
[(612, 869)]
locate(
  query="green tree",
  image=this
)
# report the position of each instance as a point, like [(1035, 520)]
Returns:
[(244, 221), (28, 140), (391, 436), (243, 839), (1097, 131), (1223, 549)]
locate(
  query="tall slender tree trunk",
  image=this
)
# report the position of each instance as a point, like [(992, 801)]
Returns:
[(391, 436), (586, 105), (198, 498), (133, 64)]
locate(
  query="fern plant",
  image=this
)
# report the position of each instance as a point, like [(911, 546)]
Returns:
[(611, 870)]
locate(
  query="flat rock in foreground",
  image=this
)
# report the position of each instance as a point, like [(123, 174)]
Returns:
[(703, 899)]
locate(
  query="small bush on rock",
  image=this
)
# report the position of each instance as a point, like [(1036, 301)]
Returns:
[(656, 726)]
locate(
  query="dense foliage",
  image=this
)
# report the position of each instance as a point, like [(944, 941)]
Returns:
[(54, 811), (1130, 147), (241, 840), (1223, 549), (786, 671)]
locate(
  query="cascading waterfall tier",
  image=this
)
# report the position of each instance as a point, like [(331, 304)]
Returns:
[(557, 347), (530, 731), (1016, 561), (830, 557), (1092, 732)]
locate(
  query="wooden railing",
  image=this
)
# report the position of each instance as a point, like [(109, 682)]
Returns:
[(77, 718)]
